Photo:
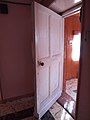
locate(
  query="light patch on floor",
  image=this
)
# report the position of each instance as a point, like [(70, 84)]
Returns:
[(71, 85), (59, 113)]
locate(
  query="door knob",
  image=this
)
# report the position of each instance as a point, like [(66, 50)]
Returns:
[(41, 63)]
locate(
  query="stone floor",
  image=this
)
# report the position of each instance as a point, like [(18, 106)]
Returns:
[(71, 88), (68, 103), (68, 98), (16, 105), (23, 109), (59, 113)]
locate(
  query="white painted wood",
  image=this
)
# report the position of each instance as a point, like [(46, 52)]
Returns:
[(55, 35), (49, 50), (43, 36), (43, 83), (72, 11), (54, 76)]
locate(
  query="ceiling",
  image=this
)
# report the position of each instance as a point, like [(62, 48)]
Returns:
[(62, 5), (58, 6)]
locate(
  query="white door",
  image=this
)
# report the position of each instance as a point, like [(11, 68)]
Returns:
[(49, 58)]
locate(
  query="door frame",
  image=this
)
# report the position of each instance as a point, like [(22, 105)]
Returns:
[(66, 14), (69, 13)]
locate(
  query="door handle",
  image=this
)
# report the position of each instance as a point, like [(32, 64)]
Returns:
[(41, 63)]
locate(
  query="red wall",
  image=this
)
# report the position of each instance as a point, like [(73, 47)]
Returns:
[(16, 68), (72, 24)]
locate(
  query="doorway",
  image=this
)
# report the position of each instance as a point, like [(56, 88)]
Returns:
[(71, 54), (72, 33)]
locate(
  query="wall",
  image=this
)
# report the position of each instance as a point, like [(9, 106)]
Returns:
[(83, 101), (16, 62)]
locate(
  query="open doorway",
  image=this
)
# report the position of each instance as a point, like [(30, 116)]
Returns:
[(72, 34), (71, 54)]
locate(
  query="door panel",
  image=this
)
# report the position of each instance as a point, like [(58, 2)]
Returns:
[(55, 35), (54, 81), (43, 36), (44, 84), (49, 65)]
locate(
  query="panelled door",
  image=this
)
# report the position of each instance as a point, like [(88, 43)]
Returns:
[(49, 58)]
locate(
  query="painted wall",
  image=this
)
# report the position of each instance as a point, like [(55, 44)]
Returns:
[(16, 62), (72, 24), (83, 102)]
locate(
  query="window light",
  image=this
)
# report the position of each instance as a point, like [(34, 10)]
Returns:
[(76, 1), (76, 47)]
